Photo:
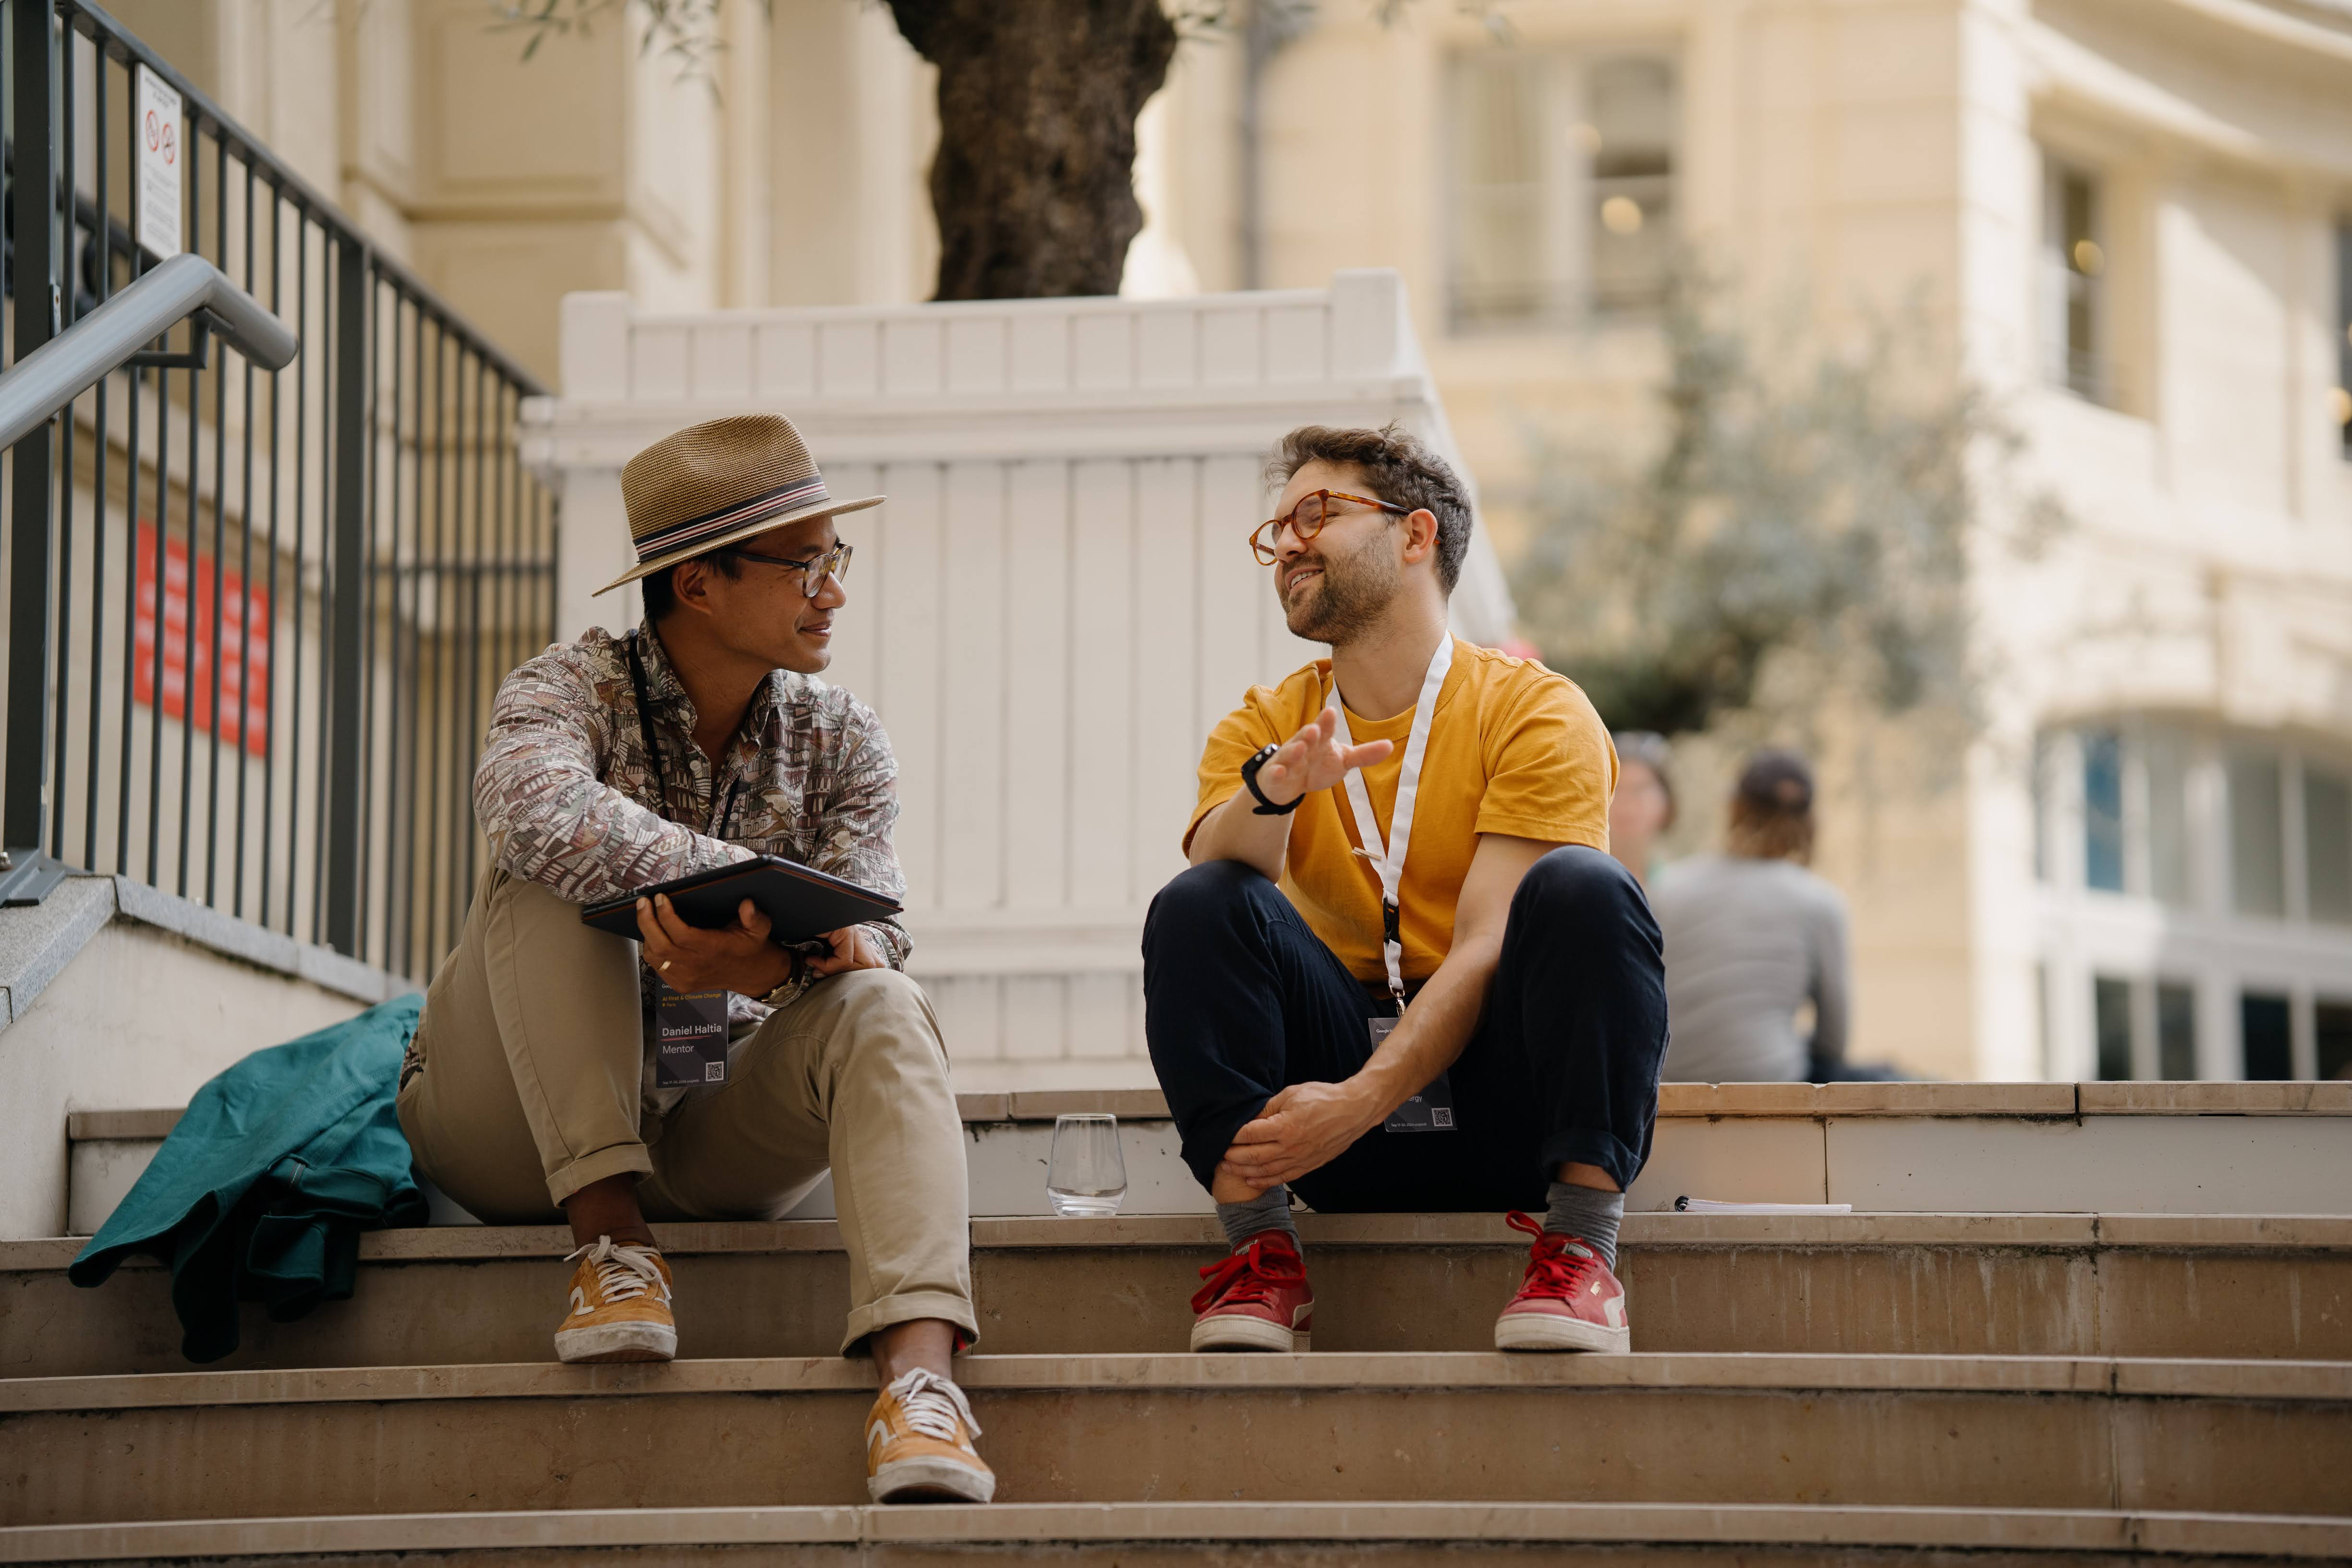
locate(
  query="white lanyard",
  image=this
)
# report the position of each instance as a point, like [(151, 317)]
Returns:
[(1388, 859)]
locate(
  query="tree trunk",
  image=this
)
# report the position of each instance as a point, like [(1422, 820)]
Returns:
[(1033, 183)]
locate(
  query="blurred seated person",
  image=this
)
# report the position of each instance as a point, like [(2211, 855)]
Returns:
[(1751, 938), (1642, 809)]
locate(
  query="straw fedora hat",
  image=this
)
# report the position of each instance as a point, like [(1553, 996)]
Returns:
[(718, 483)]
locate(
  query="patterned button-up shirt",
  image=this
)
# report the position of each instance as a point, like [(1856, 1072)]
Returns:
[(569, 800)]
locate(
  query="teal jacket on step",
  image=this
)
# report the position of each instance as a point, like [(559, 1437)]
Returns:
[(261, 1191)]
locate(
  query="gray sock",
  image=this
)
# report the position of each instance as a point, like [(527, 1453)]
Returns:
[(1270, 1210), (1587, 1213)]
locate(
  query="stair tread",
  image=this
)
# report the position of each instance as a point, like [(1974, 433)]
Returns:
[(2276, 1535), (2299, 1381), (2167, 1231), (2033, 1101)]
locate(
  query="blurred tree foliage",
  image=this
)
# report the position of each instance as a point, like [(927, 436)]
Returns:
[(1800, 534)]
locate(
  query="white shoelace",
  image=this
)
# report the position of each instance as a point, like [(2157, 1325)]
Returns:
[(622, 1272), (932, 1404)]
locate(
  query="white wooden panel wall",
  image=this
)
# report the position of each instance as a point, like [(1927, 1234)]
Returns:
[(1048, 644), (1056, 604)]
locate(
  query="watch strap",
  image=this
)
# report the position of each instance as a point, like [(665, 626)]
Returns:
[(1264, 807)]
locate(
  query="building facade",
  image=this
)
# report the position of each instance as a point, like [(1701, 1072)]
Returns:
[(2129, 220)]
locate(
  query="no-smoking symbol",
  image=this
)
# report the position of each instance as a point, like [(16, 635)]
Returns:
[(163, 137)]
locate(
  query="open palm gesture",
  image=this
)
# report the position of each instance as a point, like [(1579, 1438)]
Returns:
[(1314, 759)]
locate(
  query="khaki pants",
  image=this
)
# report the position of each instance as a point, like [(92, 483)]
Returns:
[(533, 1053)]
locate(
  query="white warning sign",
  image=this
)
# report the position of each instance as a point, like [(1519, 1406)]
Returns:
[(158, 212)]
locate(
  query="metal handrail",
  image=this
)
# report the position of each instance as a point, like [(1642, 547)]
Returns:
[(34, 389), (99, 25)]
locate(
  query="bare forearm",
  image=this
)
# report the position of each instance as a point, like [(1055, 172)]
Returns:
[(1435, 1032), (1234, 831)]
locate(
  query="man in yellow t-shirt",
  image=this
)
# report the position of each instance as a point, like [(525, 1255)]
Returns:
[(1403, 971)]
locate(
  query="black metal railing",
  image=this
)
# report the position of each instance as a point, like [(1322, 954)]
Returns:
[(255, 617)]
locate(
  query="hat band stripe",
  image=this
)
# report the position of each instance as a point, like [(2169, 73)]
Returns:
[(662, 542)]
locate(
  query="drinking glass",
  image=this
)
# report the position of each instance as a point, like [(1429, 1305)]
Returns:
[(1087, 1176)]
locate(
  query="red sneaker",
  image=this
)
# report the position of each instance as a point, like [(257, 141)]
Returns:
[(1256, 1299), (1568, 1301)]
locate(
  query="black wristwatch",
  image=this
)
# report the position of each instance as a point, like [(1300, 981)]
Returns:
[(1264, 807)]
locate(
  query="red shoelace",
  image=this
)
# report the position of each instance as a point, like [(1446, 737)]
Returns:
[(1552, 1269), (1252, 1274)]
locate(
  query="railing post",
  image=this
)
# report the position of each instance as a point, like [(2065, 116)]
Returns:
[(347, 636), (27, 873)]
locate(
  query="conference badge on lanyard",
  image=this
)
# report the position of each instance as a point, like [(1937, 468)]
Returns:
[(690, 1038), (1431, 1111)]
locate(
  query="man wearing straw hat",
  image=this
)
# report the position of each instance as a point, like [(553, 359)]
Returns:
[(613, 763)]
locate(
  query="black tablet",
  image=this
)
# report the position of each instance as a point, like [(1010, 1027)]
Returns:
[(803, 903)]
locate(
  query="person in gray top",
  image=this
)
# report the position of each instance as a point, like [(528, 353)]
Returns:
[(1750, 936)]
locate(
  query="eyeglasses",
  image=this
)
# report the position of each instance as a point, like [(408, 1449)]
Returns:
[(833, 564), (1306, 520)]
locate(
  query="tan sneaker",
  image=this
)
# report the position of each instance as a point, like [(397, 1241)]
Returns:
[(918, 1443), (620, 1306)]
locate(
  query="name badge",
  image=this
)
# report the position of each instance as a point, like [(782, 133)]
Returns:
[(1431, 1111), (690, 1038)]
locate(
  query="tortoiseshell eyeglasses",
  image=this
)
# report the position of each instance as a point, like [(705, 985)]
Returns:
[(1306, 520)]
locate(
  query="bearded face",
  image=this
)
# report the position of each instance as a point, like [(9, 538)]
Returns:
[(1330, 593)]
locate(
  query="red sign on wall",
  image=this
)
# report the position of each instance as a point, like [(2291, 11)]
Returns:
[(243, 670)]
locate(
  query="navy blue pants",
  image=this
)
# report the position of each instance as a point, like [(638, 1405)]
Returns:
[(1241, 999)]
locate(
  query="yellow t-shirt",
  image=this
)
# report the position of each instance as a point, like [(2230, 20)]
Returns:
[(1513, 748)]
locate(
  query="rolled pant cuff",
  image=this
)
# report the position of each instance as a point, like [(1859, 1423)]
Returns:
[(620, 1158), (908, 1308), (1591, 1146)]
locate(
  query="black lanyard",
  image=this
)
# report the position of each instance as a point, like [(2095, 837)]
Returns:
[(652, 748)]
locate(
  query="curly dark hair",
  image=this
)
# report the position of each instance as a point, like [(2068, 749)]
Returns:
[(1397, 469)]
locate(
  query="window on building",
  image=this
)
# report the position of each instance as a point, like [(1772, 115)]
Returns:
[(2167, 819), (2343, 387), (2265, 1030), (2183, 859), (2045, 1037), (1630, 105), (2102, 810), (2176, 1032), (1563, 175), (2332, 1027), (2112, 1028), (2327, 844), (2257, 835), (2075, 263)]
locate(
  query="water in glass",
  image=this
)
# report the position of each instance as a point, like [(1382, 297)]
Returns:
[(1087, 1175)]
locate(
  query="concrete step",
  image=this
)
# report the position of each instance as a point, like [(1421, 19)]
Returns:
[(1921, 1148), (2126, 1285), (1922, 1431), (1181, 1535)]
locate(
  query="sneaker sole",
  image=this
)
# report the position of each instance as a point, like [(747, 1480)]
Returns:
[(1239, 1334), (1548, 1332), (930, 1480), (616, 1342)]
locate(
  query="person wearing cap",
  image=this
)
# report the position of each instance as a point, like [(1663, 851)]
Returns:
[(1403, 972), (1752, 936), (703, 738)]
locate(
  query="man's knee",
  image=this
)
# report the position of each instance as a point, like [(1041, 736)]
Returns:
[(883, 1013), (1576, 890), (1202, 897), (881, 996)]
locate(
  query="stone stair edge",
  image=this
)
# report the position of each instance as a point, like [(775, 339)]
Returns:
[(2298, 1382), (1642, 1230), (1763, 1524), (2032, 1101)]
